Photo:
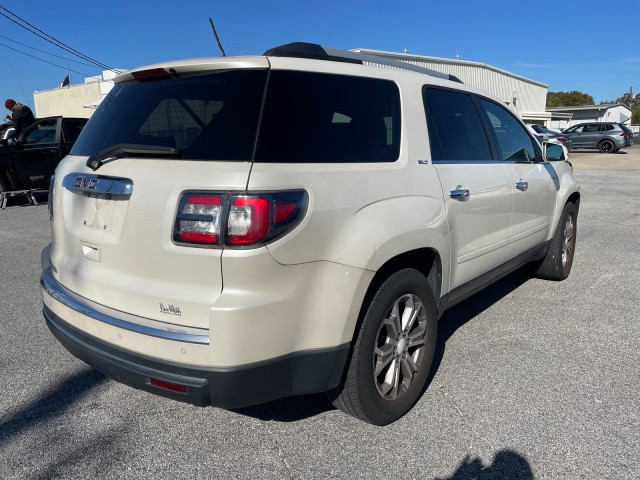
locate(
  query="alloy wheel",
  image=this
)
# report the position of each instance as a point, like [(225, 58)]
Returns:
[(400, 347)]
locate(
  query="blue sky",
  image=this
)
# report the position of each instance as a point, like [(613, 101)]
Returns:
[(563, 44)]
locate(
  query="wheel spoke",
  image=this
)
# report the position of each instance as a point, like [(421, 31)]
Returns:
[(418, 337), (393, 321), (408, 367), (384, 355), (416, 310)]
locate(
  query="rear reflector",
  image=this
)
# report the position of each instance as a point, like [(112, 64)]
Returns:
[(174, 387)]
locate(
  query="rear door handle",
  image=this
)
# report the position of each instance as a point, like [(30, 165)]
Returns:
[(522, 185), (459, 193)]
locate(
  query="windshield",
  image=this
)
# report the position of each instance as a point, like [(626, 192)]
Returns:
[(204, 117)]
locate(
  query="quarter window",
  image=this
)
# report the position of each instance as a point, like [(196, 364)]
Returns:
[(325, 118), (455, 128)]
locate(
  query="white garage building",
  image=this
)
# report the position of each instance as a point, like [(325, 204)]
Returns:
[(526, 97)]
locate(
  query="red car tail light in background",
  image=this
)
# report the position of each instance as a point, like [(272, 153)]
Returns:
[(237, 220), (625, 134)]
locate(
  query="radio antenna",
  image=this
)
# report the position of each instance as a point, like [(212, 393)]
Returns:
[(215, 34)]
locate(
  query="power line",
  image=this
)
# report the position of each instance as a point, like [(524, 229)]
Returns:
[(42, 60), (47, 53), (51, 39)]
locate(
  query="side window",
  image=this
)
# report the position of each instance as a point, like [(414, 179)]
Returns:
[(44, 132), (591, 128), (608, 126), (456, 132), (576, 129), (326, 118), (513, 140)]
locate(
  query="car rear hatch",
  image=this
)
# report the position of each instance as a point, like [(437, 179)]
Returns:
[(161, 132)]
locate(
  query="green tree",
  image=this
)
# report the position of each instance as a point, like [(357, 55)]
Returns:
[(568, 99)]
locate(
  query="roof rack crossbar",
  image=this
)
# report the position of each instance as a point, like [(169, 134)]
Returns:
[(318, 52)]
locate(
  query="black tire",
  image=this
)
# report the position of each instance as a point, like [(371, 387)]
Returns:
[(606, 146), (557, 264), (368, 396)]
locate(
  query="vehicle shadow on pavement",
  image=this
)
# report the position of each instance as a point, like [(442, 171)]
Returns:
[(50, 403), (296, 408), (506, 465), (470, 308)]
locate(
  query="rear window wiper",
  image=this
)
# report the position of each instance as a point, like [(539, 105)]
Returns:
[(123, 150)]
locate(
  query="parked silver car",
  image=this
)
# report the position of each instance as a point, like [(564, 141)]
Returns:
[(607, 137)]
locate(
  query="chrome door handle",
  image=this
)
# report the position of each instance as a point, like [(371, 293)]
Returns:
[(459, 193), (524, 186)]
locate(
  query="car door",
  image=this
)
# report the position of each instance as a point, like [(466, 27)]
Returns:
[(37, 153), (591, 135), (533, 180), (477, 188)]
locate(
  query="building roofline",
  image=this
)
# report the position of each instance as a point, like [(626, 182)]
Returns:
[(422, 58), (604, 106)]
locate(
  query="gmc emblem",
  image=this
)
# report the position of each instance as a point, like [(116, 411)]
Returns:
[(89, 183)]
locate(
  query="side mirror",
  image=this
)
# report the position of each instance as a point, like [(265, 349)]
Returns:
[(554, 152)]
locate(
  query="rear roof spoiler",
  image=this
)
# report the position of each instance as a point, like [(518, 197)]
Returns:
[(318, 52)]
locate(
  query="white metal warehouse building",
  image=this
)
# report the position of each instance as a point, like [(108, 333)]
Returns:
[(526, 97)]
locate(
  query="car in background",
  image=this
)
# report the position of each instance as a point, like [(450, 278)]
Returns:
[(607, 137), (544, 134), (553, 136), (6, 128)]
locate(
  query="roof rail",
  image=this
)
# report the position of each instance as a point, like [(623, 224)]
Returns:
[(318, 52)]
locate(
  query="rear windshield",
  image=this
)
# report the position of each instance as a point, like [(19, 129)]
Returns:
[(307, 117), (208, 117)]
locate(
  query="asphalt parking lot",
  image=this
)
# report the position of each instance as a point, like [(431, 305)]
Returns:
[(533, 380)]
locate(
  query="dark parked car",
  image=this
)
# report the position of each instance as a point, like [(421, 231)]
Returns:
[(28, 160), (605, 136)]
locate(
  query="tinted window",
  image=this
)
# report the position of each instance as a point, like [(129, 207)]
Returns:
[(592, 128), (43, 132), (513, 140), (211, 117), (313, 117), (455, 129), (72, 130), (576, 129)]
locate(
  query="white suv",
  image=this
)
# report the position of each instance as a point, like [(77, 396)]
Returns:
[(229, 231)]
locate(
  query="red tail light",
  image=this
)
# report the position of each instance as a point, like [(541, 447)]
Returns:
[(624, 134), (198, 219), (562, 139), (248, 220), (236, 220)]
